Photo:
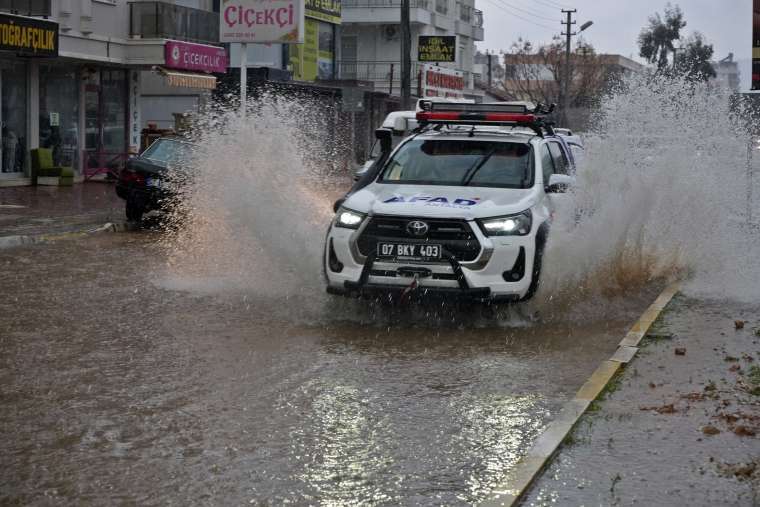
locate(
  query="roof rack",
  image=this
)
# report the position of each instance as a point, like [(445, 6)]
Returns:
[(486, 114)]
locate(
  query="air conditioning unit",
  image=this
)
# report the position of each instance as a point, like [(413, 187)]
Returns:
[(390, 32)]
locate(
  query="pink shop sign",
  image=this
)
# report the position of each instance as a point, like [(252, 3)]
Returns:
[(187, 56)]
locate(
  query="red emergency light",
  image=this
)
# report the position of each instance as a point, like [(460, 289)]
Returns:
[(500, 113), (501, 118)]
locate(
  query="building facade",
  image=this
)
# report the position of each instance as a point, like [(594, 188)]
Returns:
[(88, 98), (727, 73), (370, 43)]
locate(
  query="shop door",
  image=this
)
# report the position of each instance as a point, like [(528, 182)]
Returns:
[(106, 122)]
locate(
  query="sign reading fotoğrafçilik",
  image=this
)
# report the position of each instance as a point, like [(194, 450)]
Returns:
[(262, 21), (436, 48), (28, 36)]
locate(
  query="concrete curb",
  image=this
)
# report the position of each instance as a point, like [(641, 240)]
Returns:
[(32, 239), (519, 479)]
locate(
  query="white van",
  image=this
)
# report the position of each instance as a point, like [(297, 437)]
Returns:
[(401, 124)]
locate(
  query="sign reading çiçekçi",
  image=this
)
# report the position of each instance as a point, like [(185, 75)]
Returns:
[(436, 48), (262, 21), (28, 36)]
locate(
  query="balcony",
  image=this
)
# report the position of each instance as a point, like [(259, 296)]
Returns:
[(374, 4), (386, 76), (26, 7), (378, 12), (159, 20)]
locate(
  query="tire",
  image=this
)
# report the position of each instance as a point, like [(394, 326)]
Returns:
[(538, 260), (134, 211)]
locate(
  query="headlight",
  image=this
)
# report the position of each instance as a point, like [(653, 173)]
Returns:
[(510, 225), (348, 218)]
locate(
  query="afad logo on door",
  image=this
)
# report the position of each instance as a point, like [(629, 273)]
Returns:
[(429, 200)]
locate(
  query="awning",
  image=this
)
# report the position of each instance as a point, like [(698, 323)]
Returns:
[(188, 79)]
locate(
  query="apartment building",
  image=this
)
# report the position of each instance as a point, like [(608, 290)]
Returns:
[(370, 44)]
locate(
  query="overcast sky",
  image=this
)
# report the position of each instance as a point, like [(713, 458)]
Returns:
[(727, 24)]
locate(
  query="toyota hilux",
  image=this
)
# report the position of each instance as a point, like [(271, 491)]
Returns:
[(460, 208)]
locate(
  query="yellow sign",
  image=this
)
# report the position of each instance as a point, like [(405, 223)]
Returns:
[(326, 10), (28, 36), (436, 48)]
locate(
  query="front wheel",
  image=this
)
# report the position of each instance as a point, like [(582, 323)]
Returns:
[(538, 260)]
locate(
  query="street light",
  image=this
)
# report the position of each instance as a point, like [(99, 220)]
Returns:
[(585, 25)]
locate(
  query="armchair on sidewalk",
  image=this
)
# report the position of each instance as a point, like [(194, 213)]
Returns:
[(45, 173)]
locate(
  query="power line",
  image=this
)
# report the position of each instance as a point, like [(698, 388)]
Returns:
[(521, 17), (536, 6), (554, 4), (530, 13)]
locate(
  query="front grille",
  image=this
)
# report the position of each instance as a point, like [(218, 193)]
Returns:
[(455, 236)]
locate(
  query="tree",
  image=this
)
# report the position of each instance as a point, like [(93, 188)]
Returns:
[(693, 60), (656, 39), (536, 74)]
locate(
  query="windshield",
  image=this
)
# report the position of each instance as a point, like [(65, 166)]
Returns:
[(168, 151), (461, 163)]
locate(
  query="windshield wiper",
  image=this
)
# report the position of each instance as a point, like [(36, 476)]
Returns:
[(470, 174)]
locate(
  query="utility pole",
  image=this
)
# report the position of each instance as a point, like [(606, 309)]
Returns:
[(565, 95), (675, 54), (406, 62), (489, 55)]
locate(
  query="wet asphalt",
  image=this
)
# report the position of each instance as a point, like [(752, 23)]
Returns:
[(120, 384)]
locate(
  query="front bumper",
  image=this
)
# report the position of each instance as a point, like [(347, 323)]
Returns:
[(484, 279), (149, 198)]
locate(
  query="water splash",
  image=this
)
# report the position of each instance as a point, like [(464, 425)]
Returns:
[(661, 194)]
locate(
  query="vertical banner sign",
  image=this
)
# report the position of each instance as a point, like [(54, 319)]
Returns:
[(134, 111), (756, 45), (436, 48), (262, 21)]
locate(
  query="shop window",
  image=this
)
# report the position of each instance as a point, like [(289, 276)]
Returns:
[(59, 113), (13, 81), (326, 55)]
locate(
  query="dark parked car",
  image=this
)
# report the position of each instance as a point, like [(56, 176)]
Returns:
[(153, 180)]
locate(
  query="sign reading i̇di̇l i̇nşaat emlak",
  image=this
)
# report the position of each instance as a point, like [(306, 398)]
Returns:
[(262, 21)]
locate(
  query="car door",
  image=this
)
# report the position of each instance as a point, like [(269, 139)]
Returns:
[(560, 202)]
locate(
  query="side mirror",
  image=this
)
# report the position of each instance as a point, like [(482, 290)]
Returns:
[(337, 204), (558, 183), (385, 136), (363, 169)]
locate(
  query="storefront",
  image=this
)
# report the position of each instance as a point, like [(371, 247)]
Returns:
[(23, 43), (315, 58), (182, 84)]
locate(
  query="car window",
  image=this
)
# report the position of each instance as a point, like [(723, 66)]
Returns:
[(577, 154), (547, 165), (560, 159), (459, 162), (375, 152), (168, 151)]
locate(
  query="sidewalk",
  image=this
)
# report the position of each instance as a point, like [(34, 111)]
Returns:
[(679, 426), (31, 211)]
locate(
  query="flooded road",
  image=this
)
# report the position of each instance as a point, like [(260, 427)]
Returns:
[(121, 384)]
